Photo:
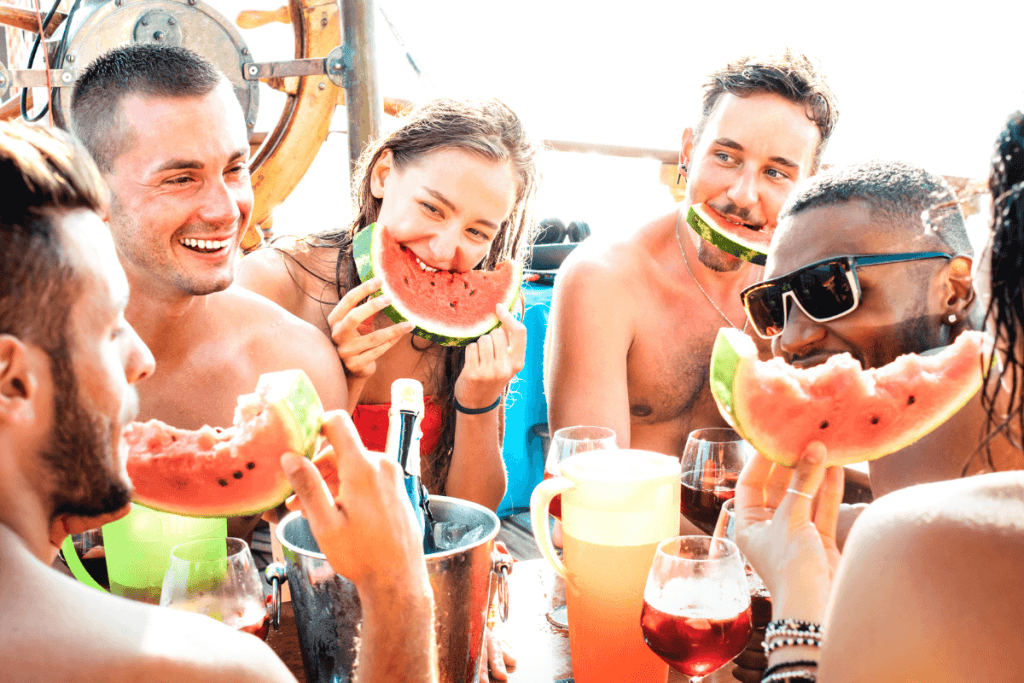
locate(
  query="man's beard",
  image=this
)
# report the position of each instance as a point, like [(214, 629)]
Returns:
[(713, 258), (80, 448)]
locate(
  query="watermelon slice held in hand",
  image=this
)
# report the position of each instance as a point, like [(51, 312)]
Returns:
[(214, 472), (738, 240), (447, 307), (858, 414)]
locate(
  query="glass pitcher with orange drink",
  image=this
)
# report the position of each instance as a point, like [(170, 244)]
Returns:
[(616, 507)]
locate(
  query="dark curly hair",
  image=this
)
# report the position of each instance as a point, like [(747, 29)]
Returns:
[(1006, 308)]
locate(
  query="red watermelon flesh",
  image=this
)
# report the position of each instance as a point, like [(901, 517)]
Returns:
[(858, 414), (214, 472), (447, 307)]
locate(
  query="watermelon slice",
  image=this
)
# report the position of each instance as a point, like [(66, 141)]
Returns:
[(447, 307), (858, 414), (214, 472), (741, 242)]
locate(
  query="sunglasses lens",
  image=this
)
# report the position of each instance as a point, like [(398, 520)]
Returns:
[(824, 291), (766, 309)]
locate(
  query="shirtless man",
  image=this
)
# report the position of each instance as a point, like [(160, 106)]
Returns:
[(909, 305), (170, 138), (633, 322), (68, 363)]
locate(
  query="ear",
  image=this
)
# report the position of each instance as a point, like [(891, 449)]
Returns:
[(19, 380), (686, 150), (380, 172), (958, 289)]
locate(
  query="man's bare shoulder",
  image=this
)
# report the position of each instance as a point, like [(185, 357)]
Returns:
[(944, 558), (65, 631)]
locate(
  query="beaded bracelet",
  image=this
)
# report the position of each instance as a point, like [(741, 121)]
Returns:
[(793, 624), (774, 644), (804, 676), (787, 665)]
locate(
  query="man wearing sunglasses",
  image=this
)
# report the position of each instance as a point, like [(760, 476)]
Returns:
[(874, 260), (633, 322)]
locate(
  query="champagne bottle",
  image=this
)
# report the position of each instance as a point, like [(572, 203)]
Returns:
[(403, 444)]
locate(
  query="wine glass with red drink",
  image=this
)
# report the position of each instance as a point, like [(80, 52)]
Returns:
[(696, 613), (217, 577), (712, 461), (565, 443)]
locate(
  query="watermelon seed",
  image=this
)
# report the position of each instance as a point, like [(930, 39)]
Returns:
[(431, 283), (237, 474), (472, 292), (406, 280), (452, 304), (250, 465), (824, 424), (222, 482), (910, 400), (465, 285), (874, 420)]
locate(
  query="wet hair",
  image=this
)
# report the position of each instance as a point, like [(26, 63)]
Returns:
[(97, 117), (901, 195), (791, 75), (45, 174), (483, 127), (1006, 308)]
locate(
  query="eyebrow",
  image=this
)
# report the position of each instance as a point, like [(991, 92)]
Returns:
[(732, 144), (444, 200), (189, 164)]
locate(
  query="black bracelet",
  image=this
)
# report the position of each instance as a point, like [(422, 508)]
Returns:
[(787, 665), (476, 411)]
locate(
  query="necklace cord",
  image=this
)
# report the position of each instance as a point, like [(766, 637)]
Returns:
[(693, 277)]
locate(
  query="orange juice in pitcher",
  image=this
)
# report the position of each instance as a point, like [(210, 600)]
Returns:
[(616, 507)]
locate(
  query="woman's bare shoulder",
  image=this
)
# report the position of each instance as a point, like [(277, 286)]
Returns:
[(290, 272), (928, 572)]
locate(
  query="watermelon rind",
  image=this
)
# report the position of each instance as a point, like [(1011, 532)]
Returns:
[(366, 249), (734, 364), (294, 402), (733, 243)]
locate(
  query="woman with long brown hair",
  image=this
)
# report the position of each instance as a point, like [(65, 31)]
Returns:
[(454, 185)]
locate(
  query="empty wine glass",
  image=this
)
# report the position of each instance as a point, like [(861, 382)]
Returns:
[(566, 443), (696, 613), (217, 577), (712, 461)]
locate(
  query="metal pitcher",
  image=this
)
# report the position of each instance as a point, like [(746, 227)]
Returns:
[(464, 580)]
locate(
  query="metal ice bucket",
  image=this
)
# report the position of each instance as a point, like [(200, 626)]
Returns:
[(464, 580)]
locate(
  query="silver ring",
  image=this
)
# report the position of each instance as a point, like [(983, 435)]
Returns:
[(800, 493)]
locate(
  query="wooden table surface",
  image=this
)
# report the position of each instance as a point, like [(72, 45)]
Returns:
[(541, 649)]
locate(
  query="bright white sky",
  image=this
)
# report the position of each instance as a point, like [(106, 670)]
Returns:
[(929, 86)]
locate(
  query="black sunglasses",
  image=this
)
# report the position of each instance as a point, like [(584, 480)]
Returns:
[(824, 290)]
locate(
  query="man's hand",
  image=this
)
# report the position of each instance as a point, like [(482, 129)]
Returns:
[(788, 537), (367, 530)]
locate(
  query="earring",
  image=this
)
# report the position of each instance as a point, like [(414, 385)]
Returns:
[(682, 170), (952, 318)]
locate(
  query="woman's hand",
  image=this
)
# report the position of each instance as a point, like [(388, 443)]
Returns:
[(358, 344), (789, 538), (491, 362)]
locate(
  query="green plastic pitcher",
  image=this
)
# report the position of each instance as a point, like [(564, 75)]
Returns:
[(138, 549)]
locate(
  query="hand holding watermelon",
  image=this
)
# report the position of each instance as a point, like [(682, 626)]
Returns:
[(786, 526), (358, 344), (491, 362)]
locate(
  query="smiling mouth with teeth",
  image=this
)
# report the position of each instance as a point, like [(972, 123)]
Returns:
[(423, 266), (204, 246)]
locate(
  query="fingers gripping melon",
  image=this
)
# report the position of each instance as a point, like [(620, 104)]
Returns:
[(214, 472), (858, 414), (738, 240), (447, 307)]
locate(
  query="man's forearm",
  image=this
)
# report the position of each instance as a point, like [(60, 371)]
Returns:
[(397, 642)]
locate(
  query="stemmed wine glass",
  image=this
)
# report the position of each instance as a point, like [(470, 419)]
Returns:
[(712, 461), (696, 613), (565, 443), (217, 577)]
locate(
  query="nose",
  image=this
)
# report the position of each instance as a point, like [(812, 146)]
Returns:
[(220, 205), (444, 246), (800, 335), (138, 359), (743, 191)]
